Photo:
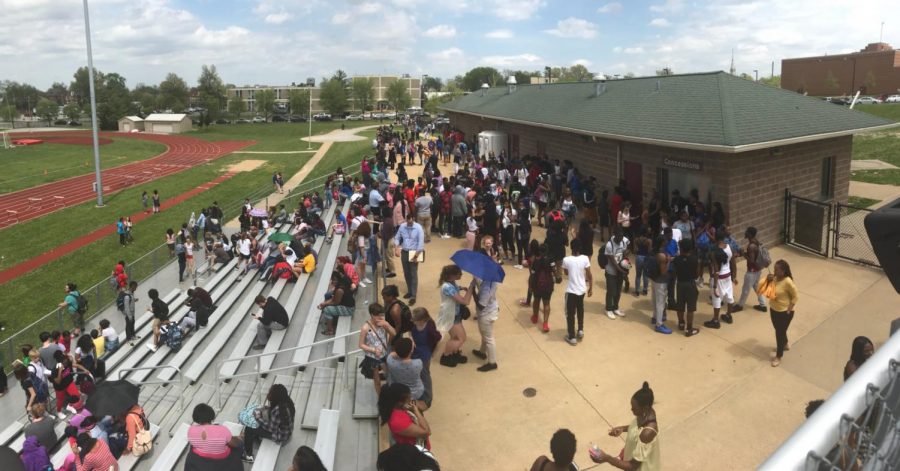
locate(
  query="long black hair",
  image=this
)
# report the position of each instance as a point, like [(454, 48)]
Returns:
[(306, 459), (85, 444), (279, 398), (857, 352), (390, 396)]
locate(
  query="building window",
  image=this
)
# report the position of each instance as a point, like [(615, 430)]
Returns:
[(827, 183)]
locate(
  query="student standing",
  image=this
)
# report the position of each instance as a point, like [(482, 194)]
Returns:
[(615, 251), (580, 281), (658, 270), (486, 313), (156, 203), (754, 269), (145, 202), (410, 242), (781, 308), (160, 311), (723, 277), (687, 269)]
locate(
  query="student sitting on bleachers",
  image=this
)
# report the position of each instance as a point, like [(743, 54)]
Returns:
[(307, 264), (41, 427), (339, 302), (93, 455), (34, 455), (306, 459), (213, 448), (110, 336), (275, 421)]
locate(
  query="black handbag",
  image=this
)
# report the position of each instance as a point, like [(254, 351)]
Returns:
[(465, 313)]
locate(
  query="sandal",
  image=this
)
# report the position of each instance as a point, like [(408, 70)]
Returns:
[(691, 332), (681, 326)]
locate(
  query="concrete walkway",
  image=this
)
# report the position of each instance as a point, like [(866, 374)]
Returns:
[(883, 193)]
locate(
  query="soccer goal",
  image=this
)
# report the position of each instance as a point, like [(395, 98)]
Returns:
[(7, 143)]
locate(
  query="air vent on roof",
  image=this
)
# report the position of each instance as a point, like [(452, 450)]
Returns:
[(599, 84), (658, 85), (511, 84)]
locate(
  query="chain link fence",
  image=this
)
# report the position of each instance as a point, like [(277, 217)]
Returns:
[(851, 241)]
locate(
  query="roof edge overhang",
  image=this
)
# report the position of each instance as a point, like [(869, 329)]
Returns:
[(723, 148)]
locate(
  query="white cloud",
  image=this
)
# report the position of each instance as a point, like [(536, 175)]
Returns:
[(574, 28), (633, 50), (278, 18), (341, 18), (613, 7), (583, 62), (512, 61), (515, 10), (660, 23), (668, 6), (440, 31), (499, 34), (447, 55)]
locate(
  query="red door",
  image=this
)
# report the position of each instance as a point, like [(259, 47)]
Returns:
[(634, 182)]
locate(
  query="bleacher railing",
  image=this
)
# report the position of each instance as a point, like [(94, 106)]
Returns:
[(857, 428), (259, 373)]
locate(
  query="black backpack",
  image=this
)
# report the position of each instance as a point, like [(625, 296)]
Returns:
[(120, 301), (601, 256), (406, 322), (81, 303)]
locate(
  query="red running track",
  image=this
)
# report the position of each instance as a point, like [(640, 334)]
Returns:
[(181, 154)]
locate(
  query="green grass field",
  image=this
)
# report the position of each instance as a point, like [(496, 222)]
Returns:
[(37, 292), (885, 110), (272, 137), (883, 145), (24, 166)]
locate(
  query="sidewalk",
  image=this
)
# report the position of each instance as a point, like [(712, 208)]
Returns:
[(22, 268), (883, 193)]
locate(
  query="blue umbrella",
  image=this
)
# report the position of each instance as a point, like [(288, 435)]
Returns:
[(479, 265)]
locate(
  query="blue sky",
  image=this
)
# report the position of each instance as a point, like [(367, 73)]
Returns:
[(284, 41)]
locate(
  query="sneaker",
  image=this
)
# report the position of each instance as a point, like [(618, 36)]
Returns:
[(737, 308), (448, 360), (662, 329), (445, 236), (712, 324), (727, 318), (487, 367), (534, 319), (546, 327), (580, 335), (571, 341), (619, 312), (367, 280), (60, 416), (460, 358), (523, 302), (611, 315), (407, 296), (247, 458), (479, 354), (152, 347), (412, 301), (361, 284), (518, 267), (71, 409), (644, 292), (776, 361), (760, 308)]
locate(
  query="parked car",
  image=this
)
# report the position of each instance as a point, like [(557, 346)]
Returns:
[(278, 118), (60, 122), (298, 119), (259, 119), (322, 117), (222, 121), (74, 123), (355, 117), (892, 99), (378, 116), (867, 100), (242, 121)]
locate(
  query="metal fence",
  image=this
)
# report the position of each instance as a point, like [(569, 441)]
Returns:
[(851, 241), (857, 428)]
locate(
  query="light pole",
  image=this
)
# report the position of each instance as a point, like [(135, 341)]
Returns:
[(756, 75), (90, 57), (309, 121)]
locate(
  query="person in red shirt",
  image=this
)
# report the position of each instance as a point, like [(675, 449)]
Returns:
[(615, 204), (406, 422)]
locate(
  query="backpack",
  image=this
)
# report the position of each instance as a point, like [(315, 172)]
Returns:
[(120, 301), (40, 386), (406, 323), (763, 259), (173, 338), (543, 278), (143, 439), (601, 256), (703, 241), (81, 303)]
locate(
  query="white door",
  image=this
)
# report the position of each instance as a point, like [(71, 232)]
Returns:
[(164, 128)]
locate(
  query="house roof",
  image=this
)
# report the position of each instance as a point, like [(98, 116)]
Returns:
[(170, 117), (708, 111), (133, 118)]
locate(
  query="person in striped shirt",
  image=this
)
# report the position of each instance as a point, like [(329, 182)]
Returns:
[(212, 446)]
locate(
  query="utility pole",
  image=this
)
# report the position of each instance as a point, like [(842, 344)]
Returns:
[(772, 75), (309, 121), (756, 75), (90, 57), (881, 34)]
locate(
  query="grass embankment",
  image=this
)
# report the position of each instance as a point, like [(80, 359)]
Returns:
[(272, 137), (885, 110), (24, 167), (882, 145), (861, 202), (346, 155)]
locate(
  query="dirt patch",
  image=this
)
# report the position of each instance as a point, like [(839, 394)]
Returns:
[(246, 165), (76, 140)]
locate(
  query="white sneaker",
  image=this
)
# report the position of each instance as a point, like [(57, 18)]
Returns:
[(571, 341), (519, 267), (620, 313), (580, 335), (367, 280), (445, 236), (152, 347), (361, 284), (611, 315), (71, 409), (60, 416)]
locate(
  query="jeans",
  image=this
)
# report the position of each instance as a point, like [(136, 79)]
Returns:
[(613, 291), (486, 329), (640, 272), (129, 327), (410, 273), (660, 289), (574, 308), (250, 437), (780, 321), (263, 332), (751, 281)]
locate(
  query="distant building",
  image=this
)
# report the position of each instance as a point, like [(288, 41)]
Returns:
[(540, 80), (167, 123), (131, 123), (874, 70), (282, 93)]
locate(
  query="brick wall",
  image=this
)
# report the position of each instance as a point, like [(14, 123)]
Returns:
[(874, 73), (749, 185)]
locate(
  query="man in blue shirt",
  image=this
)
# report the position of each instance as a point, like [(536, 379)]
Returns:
[(410, 246)]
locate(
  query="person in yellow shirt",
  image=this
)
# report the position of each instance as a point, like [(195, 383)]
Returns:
[(641, 451), (307, 264), (99, 343), (783, 296)]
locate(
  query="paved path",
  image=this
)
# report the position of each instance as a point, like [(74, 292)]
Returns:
[(883, 193), (22, 268), (181, 154)]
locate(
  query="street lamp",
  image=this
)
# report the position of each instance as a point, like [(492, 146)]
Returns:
[(90, 57), (549, 72), (309, 121)]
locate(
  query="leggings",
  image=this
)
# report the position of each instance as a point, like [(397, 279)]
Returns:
[(780, 321), (522, 240), (509, 243)]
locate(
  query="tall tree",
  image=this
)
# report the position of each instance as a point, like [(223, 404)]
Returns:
[(236, 106), (174, 93), (363, 91), (147, 96), (22, 96), (432, 84), (113, 101), (397, 94), (774, 81), (265, 102), (58, 92), (333, 97), (576, 73), (474, 78), (47, 110), (212, 94), (664, 71), (72, 111), (341, 76), (80, 88), (298, 101)]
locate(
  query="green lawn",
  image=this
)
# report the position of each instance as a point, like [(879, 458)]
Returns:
[(861, 202), (272, 137), (24, 166), (884, 146), (346, 155), (885, 110)]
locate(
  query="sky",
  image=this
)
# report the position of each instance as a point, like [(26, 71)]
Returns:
[(277, 42)]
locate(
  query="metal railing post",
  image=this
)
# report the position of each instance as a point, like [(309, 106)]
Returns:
[(259, 378), (59, 319)]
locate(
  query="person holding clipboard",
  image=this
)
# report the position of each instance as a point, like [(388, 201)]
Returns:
[(410, 247)]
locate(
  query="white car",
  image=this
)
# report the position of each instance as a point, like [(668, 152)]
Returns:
[(867, 100), (892, 99), (355, 117), (259, 119)]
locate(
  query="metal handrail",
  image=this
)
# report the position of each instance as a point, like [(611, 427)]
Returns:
[(259, 371), (177, 372)]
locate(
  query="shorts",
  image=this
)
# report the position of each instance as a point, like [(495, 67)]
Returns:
[(545, 297), (156, 323), (245, 257), (723, 290), (686, 296), (189, 257)]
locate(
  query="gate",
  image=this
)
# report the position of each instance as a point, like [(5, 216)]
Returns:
[(813, 225), (851, 241), (807, 223)]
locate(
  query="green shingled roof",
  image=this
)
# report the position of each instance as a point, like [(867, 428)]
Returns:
[(708, 110)]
